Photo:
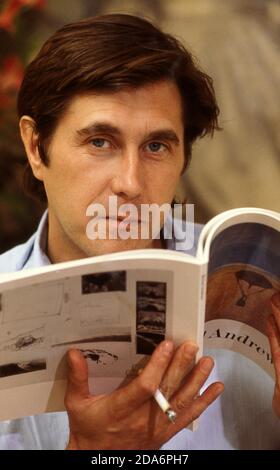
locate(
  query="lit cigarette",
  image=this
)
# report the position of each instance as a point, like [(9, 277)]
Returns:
[(165, 406)]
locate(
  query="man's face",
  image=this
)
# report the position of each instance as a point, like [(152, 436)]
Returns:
[(127, 144)]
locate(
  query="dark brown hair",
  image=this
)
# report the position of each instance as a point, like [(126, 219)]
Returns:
[(109, 53)]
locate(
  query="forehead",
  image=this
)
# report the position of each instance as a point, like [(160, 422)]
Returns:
[(143, 107)]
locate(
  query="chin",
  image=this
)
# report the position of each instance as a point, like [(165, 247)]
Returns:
[(104, 247)]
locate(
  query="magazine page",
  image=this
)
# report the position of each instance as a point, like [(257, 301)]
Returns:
[(243, 274), (233, 216), (115, 311)]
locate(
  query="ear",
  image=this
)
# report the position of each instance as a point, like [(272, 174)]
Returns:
[(30, 140)]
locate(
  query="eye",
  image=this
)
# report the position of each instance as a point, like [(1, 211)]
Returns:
[(156, 147), (100, 143)]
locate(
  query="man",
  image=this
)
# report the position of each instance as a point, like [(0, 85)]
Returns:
[(111, 107)]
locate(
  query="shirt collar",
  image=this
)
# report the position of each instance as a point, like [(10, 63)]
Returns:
[(38, 256)]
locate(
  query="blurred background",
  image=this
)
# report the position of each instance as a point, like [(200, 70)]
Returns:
[(235, 41)]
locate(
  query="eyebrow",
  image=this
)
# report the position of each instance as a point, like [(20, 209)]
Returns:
[(98, 127), (104, 127)]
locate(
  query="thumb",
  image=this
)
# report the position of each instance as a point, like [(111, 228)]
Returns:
[(77, 377)]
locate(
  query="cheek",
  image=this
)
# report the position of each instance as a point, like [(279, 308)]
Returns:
[(77, 181), (164, 183), (68, 198)]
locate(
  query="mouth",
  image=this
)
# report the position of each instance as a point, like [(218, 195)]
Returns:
[(120, 219)]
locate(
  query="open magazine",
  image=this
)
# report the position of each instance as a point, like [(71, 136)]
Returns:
[(116, 308)]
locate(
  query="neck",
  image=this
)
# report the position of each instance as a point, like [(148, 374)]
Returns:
[(60, 248)]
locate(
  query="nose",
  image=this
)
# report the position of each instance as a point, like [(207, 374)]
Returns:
[(128, 180)]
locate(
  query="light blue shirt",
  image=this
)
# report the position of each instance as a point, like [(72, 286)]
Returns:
[(241, 419)]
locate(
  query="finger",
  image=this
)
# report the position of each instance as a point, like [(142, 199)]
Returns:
[(77, 377), (274, 341), (181, 364), (197, 378), (275, 305), (204, 400), (144, 386), (192, 411)]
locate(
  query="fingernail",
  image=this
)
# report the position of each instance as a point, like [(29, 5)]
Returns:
[(219, 388), (71, 357), (206, 364), (275, 299), (167, 347), (190, 349)]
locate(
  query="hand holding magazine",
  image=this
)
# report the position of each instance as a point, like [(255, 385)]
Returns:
[(116, 308)]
